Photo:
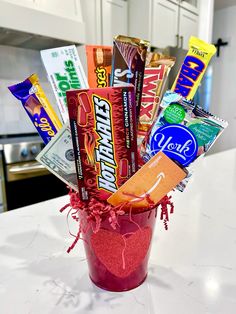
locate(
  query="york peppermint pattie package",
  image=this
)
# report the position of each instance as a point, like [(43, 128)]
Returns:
[(183, 131)]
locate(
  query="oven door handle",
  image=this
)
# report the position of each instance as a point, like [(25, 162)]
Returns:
[(26, 169)]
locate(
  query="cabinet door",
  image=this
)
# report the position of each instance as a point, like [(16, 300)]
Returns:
[(191, 5), (25, 3), (114, 20), (91, 11), (69, 9), (188, 25), (164, 24), (139, 18)]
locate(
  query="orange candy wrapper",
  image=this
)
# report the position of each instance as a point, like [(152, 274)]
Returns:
[(99, 60)]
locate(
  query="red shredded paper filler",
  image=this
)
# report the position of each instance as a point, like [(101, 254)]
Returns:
[(95, 210)]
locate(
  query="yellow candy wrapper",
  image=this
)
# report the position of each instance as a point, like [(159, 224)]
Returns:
[(45, 102), (193, 67), (37, 106)]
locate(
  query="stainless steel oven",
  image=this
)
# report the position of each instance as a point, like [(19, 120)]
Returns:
[(26, 180), (2, 184)]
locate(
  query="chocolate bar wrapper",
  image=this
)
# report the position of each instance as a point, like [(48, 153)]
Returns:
[(183, 131), (155, 75), (193, 68), (103, 126), (65, 72), (37, 106), (128, 63), (99, 65)]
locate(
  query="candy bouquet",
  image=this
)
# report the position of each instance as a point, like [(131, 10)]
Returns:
[(120, 145)]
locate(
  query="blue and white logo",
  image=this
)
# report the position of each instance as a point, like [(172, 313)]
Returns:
[(176, 141)]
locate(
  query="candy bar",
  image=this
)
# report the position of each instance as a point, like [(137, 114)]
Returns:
[(104, 138), (193, 68), (65, 72), (155, 75), (183, 130), (124, 167), (99, 65), (84, 109), (128, 64), (37, 106)]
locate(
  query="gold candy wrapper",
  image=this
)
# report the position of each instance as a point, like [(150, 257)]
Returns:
[(157, 69), (143, 44)]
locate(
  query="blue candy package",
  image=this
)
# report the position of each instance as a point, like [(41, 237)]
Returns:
[(183, 131)]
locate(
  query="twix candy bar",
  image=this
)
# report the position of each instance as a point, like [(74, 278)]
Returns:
[(128, 63), (99, 65), (103, 125), (155, 75), (193, 67), (37, 106)]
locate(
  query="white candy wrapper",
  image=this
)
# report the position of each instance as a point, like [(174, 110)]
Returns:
[(65, 72)]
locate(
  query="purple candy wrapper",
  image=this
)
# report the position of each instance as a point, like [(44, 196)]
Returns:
[(37, 106)]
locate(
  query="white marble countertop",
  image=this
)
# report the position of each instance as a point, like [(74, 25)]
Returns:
[(192, 267)]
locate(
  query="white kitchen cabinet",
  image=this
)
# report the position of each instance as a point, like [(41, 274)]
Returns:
[(26, 3), (104, 19), (57, 19), (68, 9), (191, 5), (139, 18), (154, 20), (164, 24), (114, 20), (188, 25), (91, 10)]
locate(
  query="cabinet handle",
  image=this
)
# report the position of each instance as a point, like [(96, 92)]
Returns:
[(177, 40), (181, 41)]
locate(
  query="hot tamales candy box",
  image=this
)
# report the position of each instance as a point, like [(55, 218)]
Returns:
[(103, 126)]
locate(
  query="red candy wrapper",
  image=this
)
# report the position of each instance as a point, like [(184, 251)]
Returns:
[(103, 125)]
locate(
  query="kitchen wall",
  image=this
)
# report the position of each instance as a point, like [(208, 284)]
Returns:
[(223, 98), (16, 64)]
